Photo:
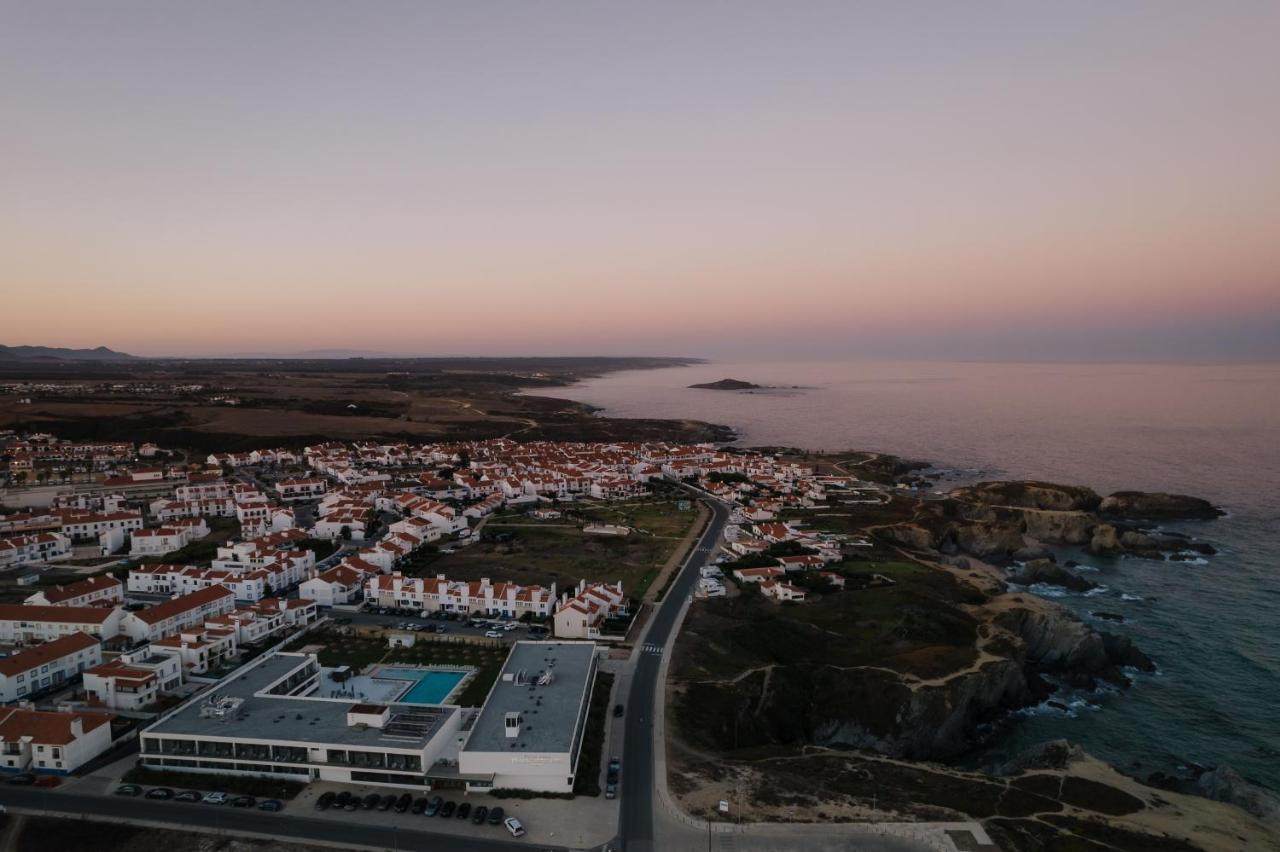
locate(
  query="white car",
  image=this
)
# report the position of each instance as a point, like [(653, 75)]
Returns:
[(511, 625), (513, 825), (215, 798), (493, 634)]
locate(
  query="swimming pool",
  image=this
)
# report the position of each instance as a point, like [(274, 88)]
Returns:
[(432, 687)]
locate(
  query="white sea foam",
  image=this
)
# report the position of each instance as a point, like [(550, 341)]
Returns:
[(1128, 597)]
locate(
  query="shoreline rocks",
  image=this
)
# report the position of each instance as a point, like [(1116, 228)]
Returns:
[(1051, 573), (1157, 506)]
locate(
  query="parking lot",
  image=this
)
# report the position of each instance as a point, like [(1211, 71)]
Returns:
[(440, 623), (581, 822)]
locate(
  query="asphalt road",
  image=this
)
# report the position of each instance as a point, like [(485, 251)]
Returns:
[(637, 793), (218, 818)]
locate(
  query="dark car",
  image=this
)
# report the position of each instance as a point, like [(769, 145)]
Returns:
[(419, 805), (433, 806), (48, 781), (464, 810), (243, 802), (403, 803), (496, 816), (160, 793), (447, 809), (617, 710), (615, 764), (122, 790), (193, 796), (370, 801), (26, 779), (344, 798), (325, 800), (272, 805), (611, 790), (386, 802), (480, 815)]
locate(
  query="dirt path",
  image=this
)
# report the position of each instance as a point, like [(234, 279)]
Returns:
[(678, 555)]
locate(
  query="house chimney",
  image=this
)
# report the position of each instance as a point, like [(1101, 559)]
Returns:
[(77, 727)]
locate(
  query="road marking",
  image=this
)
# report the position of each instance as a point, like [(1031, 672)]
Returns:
[(650, 648)]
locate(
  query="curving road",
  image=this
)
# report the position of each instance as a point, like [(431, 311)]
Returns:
[(637, 811)]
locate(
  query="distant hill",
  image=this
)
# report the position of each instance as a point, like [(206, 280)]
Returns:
[(57, 353)]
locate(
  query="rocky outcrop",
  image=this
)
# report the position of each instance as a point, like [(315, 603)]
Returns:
[(989, 541), (1156, 506), (1224, 784), (1105, 541), (927, 722), (1030, 494), (1046, 571), (1056, 755), (1058, 643), (1059, 527)]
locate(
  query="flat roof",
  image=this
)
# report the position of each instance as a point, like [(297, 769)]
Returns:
[(306, 721), (548, 713)]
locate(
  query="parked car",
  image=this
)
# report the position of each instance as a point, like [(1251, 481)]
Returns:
[(615, 764), (159, 793), (496, 815), (617, 711), (243, 802), (480, 815), (370, 801), (493, 634), (611, 790), (352, 803), (24, 779), (48, 781), (447, 809), (386, 802), (403, 803), (122, 790), (272, 805), (514, 826), (433, 806), (193, 796), (325, 800), (215, 798), (464, 810), (419, 805), (343, 799)]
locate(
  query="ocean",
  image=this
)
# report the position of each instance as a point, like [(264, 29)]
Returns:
[(1213, 431)]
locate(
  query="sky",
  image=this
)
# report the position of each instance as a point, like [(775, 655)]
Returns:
[(994, 179)]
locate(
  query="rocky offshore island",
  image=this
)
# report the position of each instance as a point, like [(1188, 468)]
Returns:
[(727, 384)]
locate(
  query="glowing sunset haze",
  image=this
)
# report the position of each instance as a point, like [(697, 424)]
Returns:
[(993, 180)]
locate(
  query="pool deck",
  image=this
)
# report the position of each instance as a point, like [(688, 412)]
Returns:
[(389, 688)]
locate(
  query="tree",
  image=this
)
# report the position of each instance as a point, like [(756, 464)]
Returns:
[(345, 532)]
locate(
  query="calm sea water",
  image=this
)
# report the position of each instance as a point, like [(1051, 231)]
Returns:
[(1211, 431)]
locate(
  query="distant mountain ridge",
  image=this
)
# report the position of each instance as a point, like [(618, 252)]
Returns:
[(26, 353)]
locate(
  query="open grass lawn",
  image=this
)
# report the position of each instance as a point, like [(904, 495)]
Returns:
[(558, 552)]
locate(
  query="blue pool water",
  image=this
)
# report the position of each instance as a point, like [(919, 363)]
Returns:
[(432, 687)]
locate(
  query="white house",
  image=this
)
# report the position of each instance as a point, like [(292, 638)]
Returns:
[(51, 743), (27, 549), (92, 591), (582, 615), (48, 665), (133, 681), (176, 614), (23, 624)]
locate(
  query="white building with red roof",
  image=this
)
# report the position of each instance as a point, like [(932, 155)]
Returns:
[(30, 549), (582, 614), (177, 614), (23, 624), (91, 591), (51, 743), (47, 666)]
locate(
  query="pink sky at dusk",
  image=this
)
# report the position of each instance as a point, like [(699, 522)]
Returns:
[(689, 179)]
